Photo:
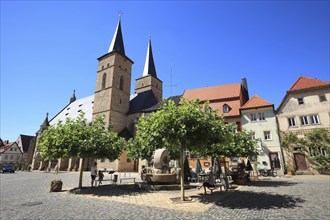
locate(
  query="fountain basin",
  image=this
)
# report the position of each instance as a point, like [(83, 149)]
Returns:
[(161, 178)]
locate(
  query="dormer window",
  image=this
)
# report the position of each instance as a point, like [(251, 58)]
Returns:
[(225, 108)]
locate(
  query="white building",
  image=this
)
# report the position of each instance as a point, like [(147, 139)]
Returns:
[(259, 117)]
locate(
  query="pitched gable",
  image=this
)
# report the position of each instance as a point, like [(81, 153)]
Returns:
[(304, 82), (256, 102)]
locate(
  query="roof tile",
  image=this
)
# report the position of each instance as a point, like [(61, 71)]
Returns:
[(304, 82), (214, 92), (255, 102)]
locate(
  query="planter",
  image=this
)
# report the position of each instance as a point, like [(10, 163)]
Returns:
[(241, 181), (290, 173), (56, 186), (254, 178)]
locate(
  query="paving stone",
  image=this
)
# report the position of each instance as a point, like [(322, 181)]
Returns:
[(25, 195)]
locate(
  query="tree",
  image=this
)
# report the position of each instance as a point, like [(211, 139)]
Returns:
[(77, 138), (316, 142), (190, 126)]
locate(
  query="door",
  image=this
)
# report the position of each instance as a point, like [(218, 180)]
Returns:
[(300, 161), (274, 161)]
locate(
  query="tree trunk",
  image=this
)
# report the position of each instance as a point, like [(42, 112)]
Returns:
[(81, 171), (182, 176), (225, 176)]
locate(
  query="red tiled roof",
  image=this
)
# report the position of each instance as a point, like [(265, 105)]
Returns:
[(256, 102), (214, 92), (304, 82), (234, 107), (6, 147)]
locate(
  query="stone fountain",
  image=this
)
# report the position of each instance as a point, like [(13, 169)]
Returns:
[(161, 174)]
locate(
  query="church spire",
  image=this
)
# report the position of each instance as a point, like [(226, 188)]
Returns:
[(73, 97), (149, 66), (117, 43), (43, 126)]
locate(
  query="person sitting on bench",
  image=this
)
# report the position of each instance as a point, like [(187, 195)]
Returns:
[(210, 182)]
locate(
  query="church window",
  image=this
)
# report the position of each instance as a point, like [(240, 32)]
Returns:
[(121, 83), (102, 67), (104, 78), (119, 101), (108, 65)]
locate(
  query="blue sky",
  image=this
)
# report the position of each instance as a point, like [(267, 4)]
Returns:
[(50, 48)]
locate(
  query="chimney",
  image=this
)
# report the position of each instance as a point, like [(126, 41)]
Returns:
[(244, 84), (245, 90)]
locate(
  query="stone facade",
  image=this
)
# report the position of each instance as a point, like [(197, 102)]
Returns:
[(301, 111)]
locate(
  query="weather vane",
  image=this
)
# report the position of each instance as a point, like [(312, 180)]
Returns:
[(120, 13)]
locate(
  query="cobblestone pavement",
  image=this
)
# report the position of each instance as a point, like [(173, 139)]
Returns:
[(25, 195)]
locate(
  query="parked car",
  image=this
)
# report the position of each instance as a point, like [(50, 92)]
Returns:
[(8, 168)]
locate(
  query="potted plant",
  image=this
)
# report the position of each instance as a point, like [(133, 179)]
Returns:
[(241, 175), (289, 169), (56, 185)]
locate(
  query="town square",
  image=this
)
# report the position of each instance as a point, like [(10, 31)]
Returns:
[(165, 110), (25, 195)]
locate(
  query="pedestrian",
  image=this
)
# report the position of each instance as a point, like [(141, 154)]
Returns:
[(101, 175), (210, 181), (93, 173), (56, 169)]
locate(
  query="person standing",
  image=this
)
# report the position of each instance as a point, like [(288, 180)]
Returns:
[(93, 174), (56, 169)]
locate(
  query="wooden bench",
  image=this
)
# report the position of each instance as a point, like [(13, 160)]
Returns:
[(127, 178), (217, 185)]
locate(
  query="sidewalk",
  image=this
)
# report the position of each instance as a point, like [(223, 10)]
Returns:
[(168, 199)]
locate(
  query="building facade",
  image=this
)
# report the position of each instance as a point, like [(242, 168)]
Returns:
[(258, 116), (10, 153), (112, 99), (305, 107)]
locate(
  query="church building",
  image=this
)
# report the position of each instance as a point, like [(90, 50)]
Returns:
[(111, 98)]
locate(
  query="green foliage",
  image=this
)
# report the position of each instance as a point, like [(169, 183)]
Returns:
[(76, 138), (313, 141)]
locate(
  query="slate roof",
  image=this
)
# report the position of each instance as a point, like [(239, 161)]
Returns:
[(175, 99), (117, 43), (149, 66), (74, 109), (256, 102), (304, 82), (142, 101), (26, 139)]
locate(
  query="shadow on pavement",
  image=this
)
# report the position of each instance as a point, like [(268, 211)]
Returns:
[(109, 190), (251, 200), (272, 183)]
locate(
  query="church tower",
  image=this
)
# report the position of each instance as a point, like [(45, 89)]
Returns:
[(113, 84), (149, 80)]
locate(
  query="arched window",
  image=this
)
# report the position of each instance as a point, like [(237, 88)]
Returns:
[(104, 79), (121, 83)]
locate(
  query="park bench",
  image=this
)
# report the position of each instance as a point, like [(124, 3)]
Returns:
[(127, 178), (218, 185)]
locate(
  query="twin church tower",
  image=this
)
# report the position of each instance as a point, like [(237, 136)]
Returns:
[(111, 98)]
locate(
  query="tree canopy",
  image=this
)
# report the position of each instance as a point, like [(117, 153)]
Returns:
[(77, 138), (189, 126), (316, 142)]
